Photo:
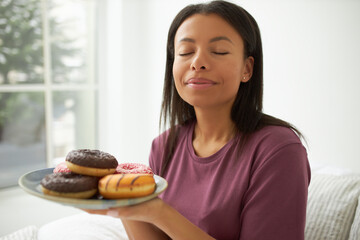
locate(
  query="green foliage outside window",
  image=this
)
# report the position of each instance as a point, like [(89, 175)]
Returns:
[(22, 51), (21, 46)]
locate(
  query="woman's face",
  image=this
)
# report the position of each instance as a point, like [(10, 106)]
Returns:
[(209, 62)]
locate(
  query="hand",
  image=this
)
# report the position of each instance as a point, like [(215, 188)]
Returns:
[(148, 211)]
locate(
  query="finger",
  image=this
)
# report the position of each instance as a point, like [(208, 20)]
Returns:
[(122, 212), (85, 210), (96, 211), (113, 212)]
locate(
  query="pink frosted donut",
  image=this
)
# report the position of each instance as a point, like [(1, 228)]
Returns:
[(61, 167), (124, 168)]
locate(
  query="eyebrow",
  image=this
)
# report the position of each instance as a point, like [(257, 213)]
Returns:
[(215, 39)]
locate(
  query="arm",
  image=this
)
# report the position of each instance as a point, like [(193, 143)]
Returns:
[(138, 230), (155, 219)]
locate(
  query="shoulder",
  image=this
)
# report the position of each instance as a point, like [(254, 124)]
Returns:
[(276, 145), (274, 137)]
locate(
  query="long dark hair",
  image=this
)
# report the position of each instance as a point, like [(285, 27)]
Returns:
[(246, 111)]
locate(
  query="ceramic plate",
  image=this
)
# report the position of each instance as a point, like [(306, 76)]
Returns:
[(30, 182)]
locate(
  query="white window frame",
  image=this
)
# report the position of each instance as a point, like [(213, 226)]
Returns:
[(48, 87)]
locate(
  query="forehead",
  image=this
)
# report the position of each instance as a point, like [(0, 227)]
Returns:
[(201, 26)]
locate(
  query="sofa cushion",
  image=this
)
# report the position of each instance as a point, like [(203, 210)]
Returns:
[(26, 233), (355, 227), (331, 206)]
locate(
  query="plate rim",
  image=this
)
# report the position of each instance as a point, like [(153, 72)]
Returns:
[(89, 203)]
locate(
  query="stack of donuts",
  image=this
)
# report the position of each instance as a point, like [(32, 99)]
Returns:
[(87, 172)]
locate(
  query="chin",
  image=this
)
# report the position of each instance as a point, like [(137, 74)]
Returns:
[(203, 104)]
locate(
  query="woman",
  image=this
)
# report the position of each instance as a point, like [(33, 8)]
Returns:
[(233, 172)]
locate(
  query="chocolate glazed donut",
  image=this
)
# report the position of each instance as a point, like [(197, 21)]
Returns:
[(69, 185), (91, 162)]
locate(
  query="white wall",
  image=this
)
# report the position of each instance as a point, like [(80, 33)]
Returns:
[(311, 73)]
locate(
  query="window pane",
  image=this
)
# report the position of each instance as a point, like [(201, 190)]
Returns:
[(74, 124), (45, 45), (22, 135), (21, 46), (71, 26)]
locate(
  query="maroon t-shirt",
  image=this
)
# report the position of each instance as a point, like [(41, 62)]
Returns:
[(259, 194)]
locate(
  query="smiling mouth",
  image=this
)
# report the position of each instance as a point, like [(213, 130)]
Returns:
[(200, 83)]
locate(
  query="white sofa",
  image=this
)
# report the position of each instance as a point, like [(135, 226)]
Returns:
[(333, 213)]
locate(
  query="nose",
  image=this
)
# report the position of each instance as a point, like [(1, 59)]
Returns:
[(200, 62)]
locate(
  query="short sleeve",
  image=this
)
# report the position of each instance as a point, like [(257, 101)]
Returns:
[(156, 153), (154, 156), (274, 206)]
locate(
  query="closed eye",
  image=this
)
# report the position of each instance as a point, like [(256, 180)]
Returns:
[(221, 53), (185, 54)]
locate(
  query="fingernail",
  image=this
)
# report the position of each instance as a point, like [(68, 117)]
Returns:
[(112, 213)]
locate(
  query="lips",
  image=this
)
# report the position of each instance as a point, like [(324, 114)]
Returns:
[(199, 83)]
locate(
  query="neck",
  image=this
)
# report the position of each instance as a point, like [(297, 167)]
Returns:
[(212, 131), (213, 126)]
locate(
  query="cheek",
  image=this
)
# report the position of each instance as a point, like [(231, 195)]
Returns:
[(175, 70), (177, 73), (233, 74)]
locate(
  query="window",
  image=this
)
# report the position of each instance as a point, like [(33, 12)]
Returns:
[(48, 86)]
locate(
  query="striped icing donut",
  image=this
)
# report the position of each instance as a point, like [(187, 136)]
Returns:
[(117, 186)]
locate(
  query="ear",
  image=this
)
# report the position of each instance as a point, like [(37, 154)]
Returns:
[(248, 69)]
